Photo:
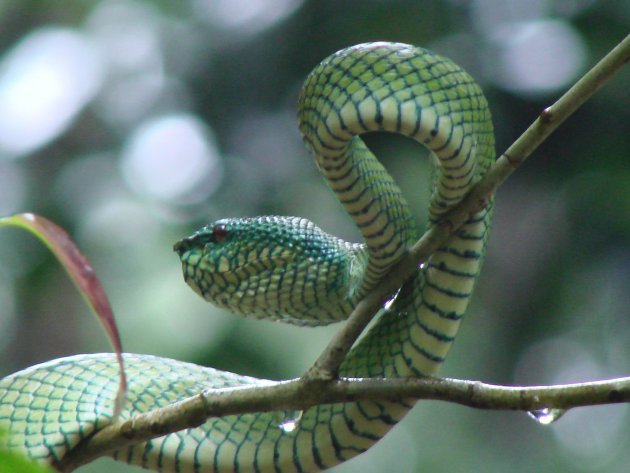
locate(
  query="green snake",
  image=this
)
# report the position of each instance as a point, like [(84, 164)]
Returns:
[(287, 269)]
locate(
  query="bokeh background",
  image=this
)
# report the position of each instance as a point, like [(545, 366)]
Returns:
[(132, 123)]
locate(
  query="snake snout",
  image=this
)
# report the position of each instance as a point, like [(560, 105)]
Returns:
[(183, 245)]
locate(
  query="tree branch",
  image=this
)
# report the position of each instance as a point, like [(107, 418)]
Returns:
[(320, 386)]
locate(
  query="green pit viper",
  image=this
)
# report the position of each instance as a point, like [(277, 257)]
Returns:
[(287, 269)]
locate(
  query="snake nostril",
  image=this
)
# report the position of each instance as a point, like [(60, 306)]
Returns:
[(182, 246)]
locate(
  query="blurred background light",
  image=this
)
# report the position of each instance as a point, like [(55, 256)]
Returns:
[(556, 360), (87, 181), (127, 33), (590, 437), (13, 188), (570, 8), (116, 222), (127, 100), (270, 142), (587, 435), (535, 57), (486, 15), (172, 159), (245, 16), (45, 81)]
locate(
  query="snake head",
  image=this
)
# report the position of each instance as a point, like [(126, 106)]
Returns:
[(282, 268)]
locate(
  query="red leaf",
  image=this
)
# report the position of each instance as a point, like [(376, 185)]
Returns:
[(83, 276)]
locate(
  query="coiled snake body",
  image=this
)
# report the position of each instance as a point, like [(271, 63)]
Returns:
[(286, 268)]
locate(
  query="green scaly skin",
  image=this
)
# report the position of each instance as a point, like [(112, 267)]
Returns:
[(286, 268)]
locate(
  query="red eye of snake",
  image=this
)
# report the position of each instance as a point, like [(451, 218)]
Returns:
[(219, 233)]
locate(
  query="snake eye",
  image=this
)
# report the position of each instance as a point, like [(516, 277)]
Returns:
[(219, 233)]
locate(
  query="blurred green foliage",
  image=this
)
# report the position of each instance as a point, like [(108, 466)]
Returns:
[(169, 115), (14, 462)]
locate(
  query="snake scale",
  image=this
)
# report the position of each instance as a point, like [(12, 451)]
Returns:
[(286, 268)]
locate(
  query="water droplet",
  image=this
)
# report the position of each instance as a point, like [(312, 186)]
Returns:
[(291, 421), (391, 301), (546, 415), (288, 426)]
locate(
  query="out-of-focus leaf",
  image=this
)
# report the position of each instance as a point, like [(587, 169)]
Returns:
[(15, 462)]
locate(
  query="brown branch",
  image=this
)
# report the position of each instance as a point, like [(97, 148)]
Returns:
[(301, 394)]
